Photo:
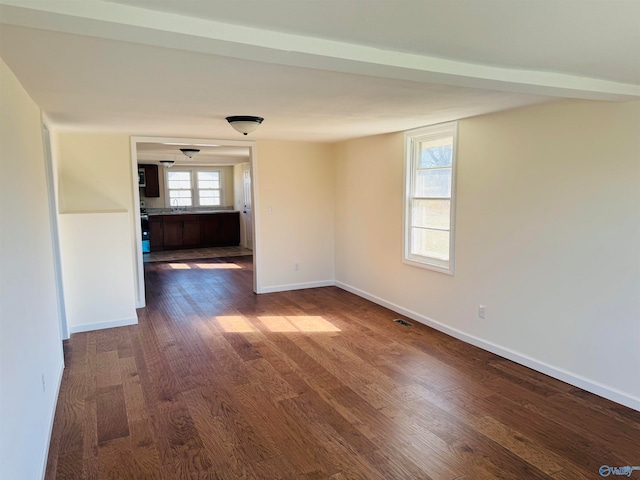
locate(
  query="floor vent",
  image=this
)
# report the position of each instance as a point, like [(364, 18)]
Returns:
[(402, 322)]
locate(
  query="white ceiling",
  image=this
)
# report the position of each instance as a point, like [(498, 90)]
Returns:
[(315, 69), (209, 154)]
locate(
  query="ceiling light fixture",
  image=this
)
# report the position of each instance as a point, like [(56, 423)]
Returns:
[(167, 163), (244, 123), (190, 152)]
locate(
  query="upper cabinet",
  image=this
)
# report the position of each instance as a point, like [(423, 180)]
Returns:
[(152, 185)]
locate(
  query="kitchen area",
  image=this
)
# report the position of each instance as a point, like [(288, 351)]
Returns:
[(195, 201)]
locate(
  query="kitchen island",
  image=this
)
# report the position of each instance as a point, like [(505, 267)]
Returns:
[(173, 230)]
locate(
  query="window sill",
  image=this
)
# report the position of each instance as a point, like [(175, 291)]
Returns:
[(429, 266)]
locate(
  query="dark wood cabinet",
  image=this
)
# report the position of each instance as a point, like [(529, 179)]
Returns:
[(152, 188), (181, 231), (210, 228), (170, 232), (191, 231), (229, 229), (156, 233)]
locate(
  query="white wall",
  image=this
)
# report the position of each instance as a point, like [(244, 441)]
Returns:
[(95, 176), (296, 214), (30, 343), (94, 172), (96, 261), (548, 238)]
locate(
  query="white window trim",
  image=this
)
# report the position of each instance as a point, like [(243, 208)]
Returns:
[(194, 189), (412, 137)]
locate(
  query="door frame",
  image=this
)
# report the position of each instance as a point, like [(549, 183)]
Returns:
[(137, 237)]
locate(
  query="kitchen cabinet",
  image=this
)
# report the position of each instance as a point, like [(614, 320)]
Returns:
[(230, 229), (221, 229), (172, 232), (210, 229), (156, 233), (191, 231), (181, 231), (152, 188)]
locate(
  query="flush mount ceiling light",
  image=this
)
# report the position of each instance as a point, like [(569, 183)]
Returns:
[(190, 152), (244, 123), (167, 163)]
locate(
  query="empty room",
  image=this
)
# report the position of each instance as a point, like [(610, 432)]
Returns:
[(319, 239)]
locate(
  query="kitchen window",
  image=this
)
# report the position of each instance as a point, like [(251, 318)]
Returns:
[(430, 197), (194, 187)]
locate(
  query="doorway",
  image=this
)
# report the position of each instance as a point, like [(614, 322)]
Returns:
[(154, 149)]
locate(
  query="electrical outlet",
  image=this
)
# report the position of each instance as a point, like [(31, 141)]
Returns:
[(482, 311), (43, 384)]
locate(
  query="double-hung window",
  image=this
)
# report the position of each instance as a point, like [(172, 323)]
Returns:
[(194, 187), (430, 197)]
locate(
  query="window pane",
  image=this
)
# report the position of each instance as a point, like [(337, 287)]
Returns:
[(208, 176), (430, 243), (433, 183), (180, 198), (180, 193), (434, 154), (431, 214), (181, 202), (208, 184), (209, 193), (186, 184), (179, 180), (209, 197), (179, 176)]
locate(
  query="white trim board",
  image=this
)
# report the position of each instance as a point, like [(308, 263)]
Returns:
[(297, 286), (88, 327), (52, 416), (542, 367)]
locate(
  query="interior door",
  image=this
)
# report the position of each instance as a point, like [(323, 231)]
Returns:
[(246, 211)]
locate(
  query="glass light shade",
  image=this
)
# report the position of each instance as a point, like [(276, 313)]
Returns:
[(167, 163), (244, 124), (190, 152)]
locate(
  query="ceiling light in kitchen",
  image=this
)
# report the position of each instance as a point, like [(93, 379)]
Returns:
[(190, 152)]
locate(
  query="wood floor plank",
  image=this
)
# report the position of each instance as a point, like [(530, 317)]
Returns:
[(133, 395), (187, 450), (216, 382), (111, 414), (108, 369)]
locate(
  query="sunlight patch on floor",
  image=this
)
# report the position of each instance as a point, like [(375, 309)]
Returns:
[(218, 266), (277, 323), (234, 324), (298, 323), (180, 266)]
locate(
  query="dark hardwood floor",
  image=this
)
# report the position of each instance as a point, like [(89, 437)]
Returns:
[(218, 383)]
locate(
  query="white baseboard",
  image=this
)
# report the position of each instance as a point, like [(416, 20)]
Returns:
[(87, 327), (52, 416), (555, 372), (296, 286)]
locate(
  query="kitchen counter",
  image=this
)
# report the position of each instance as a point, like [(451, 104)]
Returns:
[(189, 212)]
